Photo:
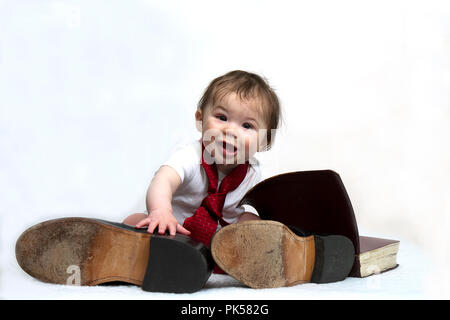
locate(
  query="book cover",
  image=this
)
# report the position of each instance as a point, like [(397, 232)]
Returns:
[(376, 255)]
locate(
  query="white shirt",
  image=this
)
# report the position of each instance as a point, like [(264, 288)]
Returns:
[(186, 161)]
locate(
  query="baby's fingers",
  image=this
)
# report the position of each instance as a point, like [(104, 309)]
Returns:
[(162, 228), (152, 226), (182, 230), (172, 228), (142, 223)]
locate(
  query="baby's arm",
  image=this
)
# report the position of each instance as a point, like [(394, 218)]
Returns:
[(159, 203)]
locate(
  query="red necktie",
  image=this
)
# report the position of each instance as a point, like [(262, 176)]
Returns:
[(203, 223)]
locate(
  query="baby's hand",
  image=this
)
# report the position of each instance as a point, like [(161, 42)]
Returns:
[(163, 219)]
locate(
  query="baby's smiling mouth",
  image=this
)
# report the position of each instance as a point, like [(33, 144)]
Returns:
[(228, 147)]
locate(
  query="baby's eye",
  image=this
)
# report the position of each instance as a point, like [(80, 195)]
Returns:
[(221, 117), (247, 125)]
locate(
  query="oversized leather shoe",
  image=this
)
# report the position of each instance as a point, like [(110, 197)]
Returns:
[(98, 251), (267, 254)]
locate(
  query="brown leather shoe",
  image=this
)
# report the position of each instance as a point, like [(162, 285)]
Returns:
[(267, 254), (87, 251)]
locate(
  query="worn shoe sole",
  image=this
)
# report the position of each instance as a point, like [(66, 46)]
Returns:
[(267, 254), (101, 251)]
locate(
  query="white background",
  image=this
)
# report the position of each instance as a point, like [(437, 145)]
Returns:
[(95, 94)]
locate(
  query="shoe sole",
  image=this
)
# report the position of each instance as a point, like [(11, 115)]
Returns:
[(104, 251), (267, 254)]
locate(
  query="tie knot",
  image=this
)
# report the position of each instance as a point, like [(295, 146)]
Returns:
[(214, 203)]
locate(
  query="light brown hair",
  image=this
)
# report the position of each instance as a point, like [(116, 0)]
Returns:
[(247, 86)]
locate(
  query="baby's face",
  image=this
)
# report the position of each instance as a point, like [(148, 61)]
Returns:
[(230, 128)]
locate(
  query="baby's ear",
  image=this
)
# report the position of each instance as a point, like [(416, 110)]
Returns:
[(198, 120)]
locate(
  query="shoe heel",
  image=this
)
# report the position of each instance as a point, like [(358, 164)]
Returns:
[(334, 257), (176, 264)]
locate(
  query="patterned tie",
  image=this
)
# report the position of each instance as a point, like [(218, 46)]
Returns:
[(203, 223)]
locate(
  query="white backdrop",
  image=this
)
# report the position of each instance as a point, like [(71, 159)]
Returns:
[(95, 94)]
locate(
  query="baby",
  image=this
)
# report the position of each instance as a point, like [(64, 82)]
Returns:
[(199, 187)]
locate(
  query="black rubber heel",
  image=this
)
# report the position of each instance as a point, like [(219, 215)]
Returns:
[(334, 257), (177, 264)]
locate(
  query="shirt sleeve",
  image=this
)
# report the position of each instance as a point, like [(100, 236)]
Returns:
[(245, 207), (183, 159)]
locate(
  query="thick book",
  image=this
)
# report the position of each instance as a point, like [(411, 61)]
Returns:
[(317, 201), (376, 255)]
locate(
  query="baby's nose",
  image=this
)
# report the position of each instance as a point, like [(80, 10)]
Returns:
[(230, 133)]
